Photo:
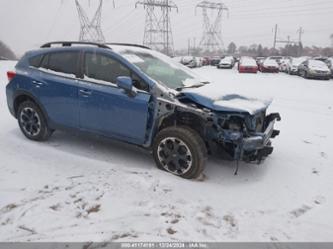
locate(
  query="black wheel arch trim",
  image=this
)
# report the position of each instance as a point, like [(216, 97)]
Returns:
[(20, 93)]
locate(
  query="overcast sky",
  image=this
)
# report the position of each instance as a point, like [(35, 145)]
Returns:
[(25, 24)]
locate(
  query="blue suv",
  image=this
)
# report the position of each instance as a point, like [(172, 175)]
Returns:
[(139, 96)]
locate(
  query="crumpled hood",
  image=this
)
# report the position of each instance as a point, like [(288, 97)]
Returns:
[(212, 98)]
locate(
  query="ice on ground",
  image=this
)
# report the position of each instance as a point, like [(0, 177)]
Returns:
[(80, 188)]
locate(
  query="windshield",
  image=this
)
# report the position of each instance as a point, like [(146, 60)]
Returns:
[(160, 67)]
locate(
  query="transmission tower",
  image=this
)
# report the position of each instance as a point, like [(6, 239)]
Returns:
[(157, 33), (90, 29), (212, 31)]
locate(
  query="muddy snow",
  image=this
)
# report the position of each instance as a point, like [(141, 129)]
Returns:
[(82, 188)]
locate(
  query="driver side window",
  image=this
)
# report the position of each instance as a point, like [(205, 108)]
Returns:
[(104, 68)]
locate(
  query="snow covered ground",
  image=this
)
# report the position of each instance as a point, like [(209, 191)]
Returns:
[(79, 188)]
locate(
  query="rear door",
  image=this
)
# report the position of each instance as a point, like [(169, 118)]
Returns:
[(56, 87), (107, 109)]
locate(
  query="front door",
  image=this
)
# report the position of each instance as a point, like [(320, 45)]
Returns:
[(105, 108)]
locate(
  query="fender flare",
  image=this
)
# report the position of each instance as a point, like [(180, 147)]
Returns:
[(20, 92)]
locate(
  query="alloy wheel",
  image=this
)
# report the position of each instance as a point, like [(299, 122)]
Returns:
[(30, 121), (174, 155)]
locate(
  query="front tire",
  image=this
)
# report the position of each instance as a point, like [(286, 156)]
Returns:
[(180, 151), (32, 122)]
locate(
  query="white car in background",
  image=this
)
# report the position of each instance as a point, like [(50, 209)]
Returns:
[(292, 67), (189, 61), (284, 64), (227, 62), (198, 61)]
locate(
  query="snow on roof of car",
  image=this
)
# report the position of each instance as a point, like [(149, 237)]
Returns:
[(228, 58), (248, 61), (298, 61), (317, 63), (270, 63)]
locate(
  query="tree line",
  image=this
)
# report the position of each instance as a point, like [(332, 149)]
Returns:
[(257, 50), (6, 52)]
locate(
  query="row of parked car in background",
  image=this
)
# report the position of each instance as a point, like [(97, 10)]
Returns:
[(308, 67)]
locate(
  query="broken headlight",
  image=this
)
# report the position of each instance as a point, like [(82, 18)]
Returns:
[(234, 124)]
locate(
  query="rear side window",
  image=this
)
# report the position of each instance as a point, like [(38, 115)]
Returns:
[(36, 60), (63, 62)]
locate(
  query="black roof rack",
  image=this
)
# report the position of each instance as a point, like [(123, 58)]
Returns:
[(128, 44), (70, 43)]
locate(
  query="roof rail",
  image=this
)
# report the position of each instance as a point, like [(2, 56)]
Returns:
[(70, 43), (127, 44)]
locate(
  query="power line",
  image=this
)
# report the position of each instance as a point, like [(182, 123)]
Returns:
[(157, 32), (90, 30), (288, 41), (212, 32)]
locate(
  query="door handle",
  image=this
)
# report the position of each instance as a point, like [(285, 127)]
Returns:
[(37, 83), (85, 92)]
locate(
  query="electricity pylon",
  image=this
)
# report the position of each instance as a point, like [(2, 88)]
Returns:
[(157, 33), (90, 29), (212, 31)]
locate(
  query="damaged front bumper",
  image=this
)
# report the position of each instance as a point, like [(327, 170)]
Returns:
[(257, 145)]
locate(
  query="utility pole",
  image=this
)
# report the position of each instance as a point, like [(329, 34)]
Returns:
[(157, 33), (90, 30), (212, 32), (288, 41), (275, 35), (300, 32)]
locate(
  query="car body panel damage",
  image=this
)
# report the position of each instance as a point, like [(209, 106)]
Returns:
[(138, 96)]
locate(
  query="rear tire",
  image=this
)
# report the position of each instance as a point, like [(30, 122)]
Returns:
[(32, 122), (180, 151)]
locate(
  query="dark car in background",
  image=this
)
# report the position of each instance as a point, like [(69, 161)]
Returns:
[(260, 60), (215, 60), (314, 69), (269, 66)]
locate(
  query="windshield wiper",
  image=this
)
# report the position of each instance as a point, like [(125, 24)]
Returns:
[(191, 86)]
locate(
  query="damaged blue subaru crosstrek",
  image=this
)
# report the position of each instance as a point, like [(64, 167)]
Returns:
[(139, 96)]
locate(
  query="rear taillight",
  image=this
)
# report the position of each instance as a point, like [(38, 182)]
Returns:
[(11, 75)]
